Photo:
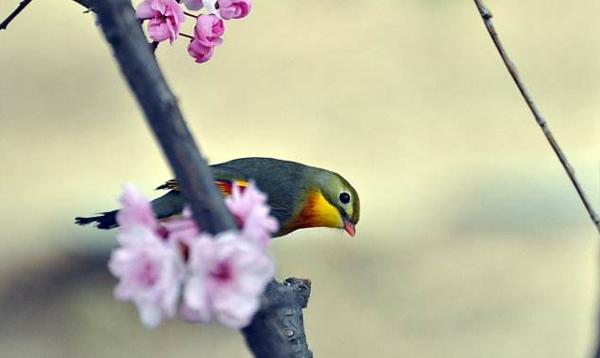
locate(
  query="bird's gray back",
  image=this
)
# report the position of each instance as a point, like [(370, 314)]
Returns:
[(284, 181)]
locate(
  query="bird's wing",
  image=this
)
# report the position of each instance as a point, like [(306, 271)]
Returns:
[(169, 185), (224, 185)]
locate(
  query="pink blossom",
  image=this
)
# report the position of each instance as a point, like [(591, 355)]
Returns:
[(226, 276), (150, 269), (207, 35), (150, 273), (208, 30), (136, 210), (182, 229), (165, 18), (193, 4), (201, 53), (136, 216), (234, 9), (250, 209)]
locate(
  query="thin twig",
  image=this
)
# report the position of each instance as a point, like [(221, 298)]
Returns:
[(486, 15), (14, 14), (277, 330)]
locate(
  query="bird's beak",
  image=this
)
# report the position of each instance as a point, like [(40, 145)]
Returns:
[(349, 227)]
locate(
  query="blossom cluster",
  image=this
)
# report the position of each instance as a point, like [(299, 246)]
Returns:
[(169, 266), (166, 16)]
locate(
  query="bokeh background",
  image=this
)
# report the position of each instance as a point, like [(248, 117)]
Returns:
[(472, 242)]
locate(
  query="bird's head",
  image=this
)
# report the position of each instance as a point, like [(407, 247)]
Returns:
[(331, 202)]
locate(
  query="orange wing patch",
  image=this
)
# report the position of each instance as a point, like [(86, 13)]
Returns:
[(224, 186)]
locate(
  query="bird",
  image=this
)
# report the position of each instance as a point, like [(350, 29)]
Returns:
[(300, 196)]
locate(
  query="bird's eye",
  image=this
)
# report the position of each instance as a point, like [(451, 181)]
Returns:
[(345, 197), (217, 6)]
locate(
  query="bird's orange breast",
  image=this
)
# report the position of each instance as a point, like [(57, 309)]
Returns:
[(317, 211)]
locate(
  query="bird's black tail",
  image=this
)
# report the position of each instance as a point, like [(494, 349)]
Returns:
[(107, 220)]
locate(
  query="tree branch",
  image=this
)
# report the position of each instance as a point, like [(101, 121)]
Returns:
[(138, 65), (486, 15), (14, 14), (277, 329)]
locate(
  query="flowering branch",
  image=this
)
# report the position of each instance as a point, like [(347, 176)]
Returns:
[(123, 32), (277, 330), (486, 15), (14, 14)]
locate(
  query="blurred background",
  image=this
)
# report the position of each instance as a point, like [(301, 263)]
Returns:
[(472, 241)]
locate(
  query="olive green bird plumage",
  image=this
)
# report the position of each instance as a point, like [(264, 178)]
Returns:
[(300, 196)]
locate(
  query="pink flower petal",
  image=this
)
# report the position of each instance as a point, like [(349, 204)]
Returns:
[(251, 209), (203, 315), (208, 30), (226, 276), (150, 270), (196, 306), (201, 53), (182, 229), (165, 18), (136, 210), (234, 9), (144, 10), (150, 314), (159, 30), (236, 311)]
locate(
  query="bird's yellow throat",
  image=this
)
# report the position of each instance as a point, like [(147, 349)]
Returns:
[(318, 212)]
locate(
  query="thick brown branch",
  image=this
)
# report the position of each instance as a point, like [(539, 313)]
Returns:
[(486, 15), (277, 330), (14, 14)]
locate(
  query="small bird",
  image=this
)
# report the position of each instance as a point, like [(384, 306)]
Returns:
[(300, 196)]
